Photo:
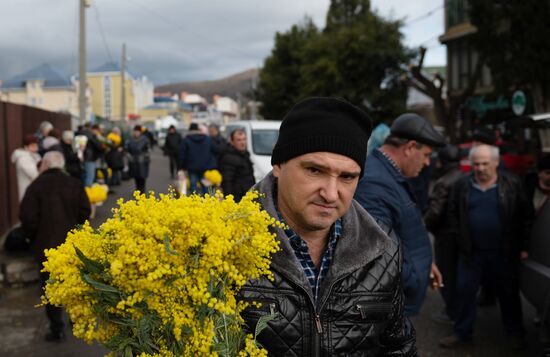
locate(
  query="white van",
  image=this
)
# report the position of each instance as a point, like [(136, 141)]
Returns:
[(261, 136)]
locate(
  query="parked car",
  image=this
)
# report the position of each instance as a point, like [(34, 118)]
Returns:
[(514, 161), (261, 136)]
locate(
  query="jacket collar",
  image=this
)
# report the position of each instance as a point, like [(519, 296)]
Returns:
[(361, 242), (54, 171), (389, 165)]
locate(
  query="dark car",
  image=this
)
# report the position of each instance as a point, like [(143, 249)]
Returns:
[(535, 270)]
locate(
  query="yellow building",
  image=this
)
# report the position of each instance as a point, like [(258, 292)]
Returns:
[(43, 87), (166, 106), (104, 84)]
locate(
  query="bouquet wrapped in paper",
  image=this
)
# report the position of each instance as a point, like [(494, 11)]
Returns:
[(160, 277)]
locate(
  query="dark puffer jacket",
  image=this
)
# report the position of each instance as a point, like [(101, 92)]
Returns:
[(237, 172), (360, 307), (197, 153), (172, 144), (94, 149)]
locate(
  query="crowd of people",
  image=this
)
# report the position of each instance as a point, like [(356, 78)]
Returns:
[(204, 149), (356, 257)]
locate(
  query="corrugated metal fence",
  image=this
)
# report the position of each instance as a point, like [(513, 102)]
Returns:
[(16, 121)]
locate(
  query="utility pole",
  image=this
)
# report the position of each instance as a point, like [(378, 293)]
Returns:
[(82, 61), (253, 109), (123, 84)]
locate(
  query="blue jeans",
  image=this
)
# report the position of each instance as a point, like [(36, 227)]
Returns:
[(115, 178), (89, 173), (503, 276), (194, 179)]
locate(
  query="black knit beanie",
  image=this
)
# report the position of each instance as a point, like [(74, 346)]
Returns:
[(323, 124)]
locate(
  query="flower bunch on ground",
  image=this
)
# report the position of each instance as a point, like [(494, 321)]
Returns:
[(160, 277)]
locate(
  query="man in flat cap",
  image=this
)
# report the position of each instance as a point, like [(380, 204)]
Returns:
[(336, 288), (386, 194)]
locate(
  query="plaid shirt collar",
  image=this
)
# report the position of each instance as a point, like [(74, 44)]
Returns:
[(314, 276), (390, 160)]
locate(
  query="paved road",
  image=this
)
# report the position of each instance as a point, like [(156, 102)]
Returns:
[(22, 326)]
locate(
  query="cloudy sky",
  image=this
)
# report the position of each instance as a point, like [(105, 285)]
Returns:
[(180, 40)]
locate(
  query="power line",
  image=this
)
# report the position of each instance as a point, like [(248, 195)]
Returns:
[(423, 43), (424, 16), (435, 46), (96, 11), (150, 11)]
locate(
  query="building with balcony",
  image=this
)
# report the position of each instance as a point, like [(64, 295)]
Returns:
[(44, 87), (106, 91), (486, 106), (228, 108)]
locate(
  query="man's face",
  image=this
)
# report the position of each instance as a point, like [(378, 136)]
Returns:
[(484, 165), (136, 133), (315, 189), (416, 157), (544, 178), (212, 131), (239, 141)]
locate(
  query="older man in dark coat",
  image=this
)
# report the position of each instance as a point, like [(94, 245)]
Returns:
[(53, 205), (490, 219)]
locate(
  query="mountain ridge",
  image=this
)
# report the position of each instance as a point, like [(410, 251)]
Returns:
[(235, 85)]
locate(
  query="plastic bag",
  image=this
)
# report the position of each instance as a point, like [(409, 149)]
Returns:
[(181, 183)]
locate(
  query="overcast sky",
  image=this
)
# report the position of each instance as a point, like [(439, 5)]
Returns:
[(180, 40)]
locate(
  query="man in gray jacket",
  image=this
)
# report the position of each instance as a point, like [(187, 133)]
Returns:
[(336, 287)]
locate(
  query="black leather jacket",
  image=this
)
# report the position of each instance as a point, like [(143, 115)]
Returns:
[(516, 215), (435, 215), (360, 307)]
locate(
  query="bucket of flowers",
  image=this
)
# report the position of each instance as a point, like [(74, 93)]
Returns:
[(160, 277)]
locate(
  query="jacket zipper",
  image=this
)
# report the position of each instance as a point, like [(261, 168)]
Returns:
[(319, 325), (318, 331), (318, 322), (362, 308)]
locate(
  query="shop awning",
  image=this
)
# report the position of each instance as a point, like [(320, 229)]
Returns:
[(540, 116)]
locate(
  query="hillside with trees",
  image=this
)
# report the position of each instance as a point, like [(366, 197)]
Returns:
[(240, 84)]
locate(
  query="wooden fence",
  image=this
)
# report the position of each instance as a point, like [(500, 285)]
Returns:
[(16, 121)]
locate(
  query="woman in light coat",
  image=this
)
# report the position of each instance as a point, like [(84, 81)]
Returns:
[(26, 161)]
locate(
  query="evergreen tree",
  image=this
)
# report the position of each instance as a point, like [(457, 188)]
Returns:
[(280, 77), (512, 38), (347, 13), (357, 56)]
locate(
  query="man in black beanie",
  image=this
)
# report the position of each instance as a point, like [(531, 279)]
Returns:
[(335, 287)]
